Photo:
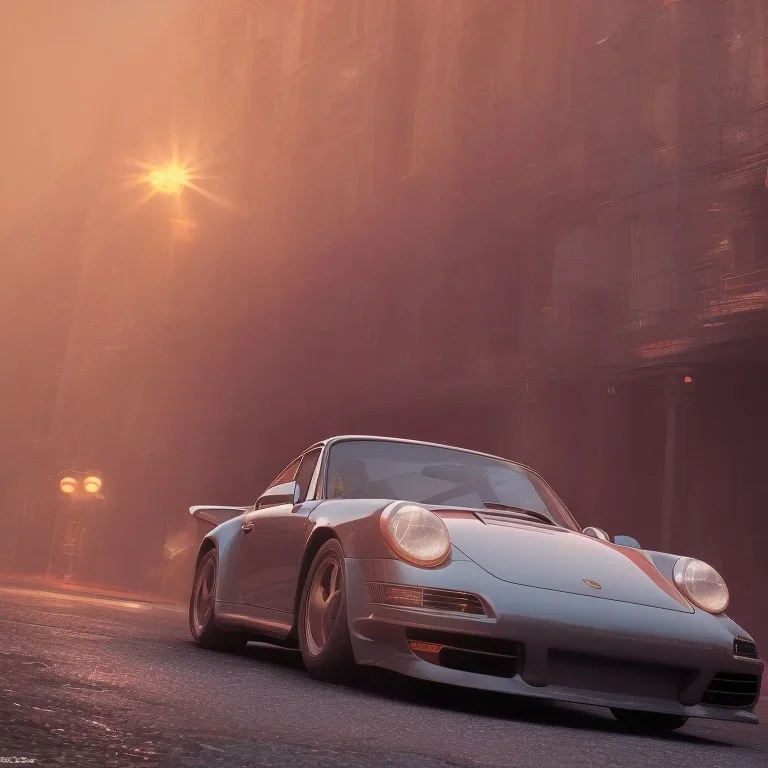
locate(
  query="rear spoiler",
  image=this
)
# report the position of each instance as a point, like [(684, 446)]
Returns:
[(216, 515)]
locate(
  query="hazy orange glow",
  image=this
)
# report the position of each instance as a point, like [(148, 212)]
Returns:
[(169, 177), (183, 229), (58, 597)]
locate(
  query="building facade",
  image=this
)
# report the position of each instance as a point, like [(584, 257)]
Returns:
[(530, 227), (646, 333)]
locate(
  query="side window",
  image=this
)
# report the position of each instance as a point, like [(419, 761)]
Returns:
[(306, 470), (288, 474)]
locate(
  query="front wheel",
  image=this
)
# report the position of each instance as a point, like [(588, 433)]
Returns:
[(649, 721), (323, 627), (202, 605)]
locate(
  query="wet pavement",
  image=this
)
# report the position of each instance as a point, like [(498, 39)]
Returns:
[(91, 681)]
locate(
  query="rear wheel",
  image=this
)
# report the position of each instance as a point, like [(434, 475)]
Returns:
[(649, 721), (323, 627), (202, 607)]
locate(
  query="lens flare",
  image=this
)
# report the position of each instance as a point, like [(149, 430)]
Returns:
[(178, 177), (169, 180)]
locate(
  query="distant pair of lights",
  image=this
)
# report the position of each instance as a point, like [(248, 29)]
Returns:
[(91, 484)]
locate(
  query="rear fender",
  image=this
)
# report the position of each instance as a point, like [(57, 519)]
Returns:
[(215, 516), (222, 536)]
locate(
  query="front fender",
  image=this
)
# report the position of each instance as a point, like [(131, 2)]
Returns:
[(355, 522), (665, 564)]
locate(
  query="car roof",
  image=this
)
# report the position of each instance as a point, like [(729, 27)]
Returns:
[(344, 438)]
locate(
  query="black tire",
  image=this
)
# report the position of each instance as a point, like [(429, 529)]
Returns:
[(332, 660), (202, 617), (650, 722)]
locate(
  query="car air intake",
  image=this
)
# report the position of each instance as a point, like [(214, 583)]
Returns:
[(466, 653), (424, 597), (745, 648), (729, 689)]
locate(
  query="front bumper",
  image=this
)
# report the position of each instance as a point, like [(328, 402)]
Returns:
[(574, 648)]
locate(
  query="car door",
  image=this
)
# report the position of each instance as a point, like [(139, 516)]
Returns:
[(272, 539)]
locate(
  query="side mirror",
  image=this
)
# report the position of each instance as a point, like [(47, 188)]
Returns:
[(627, 541), (596, 533), (285, 493)]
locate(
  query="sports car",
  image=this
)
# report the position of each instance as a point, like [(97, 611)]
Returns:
[(467, 569)]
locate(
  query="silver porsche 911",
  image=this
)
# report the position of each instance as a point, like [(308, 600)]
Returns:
[(467, 569)]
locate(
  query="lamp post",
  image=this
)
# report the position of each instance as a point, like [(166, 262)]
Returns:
[(79, 490)]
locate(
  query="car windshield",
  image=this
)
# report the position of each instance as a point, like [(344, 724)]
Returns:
[(426, 474)]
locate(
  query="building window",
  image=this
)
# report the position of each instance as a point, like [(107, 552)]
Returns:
[(739, 60), (661, 113), (339, 22), (743, 242), (350, 180), (569, 270), (652, 269), (761, 238), (416, 67), (750, 243)]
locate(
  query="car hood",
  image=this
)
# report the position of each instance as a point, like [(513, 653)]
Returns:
[(542, 556)]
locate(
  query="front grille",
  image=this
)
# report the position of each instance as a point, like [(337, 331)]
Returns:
[(614, 676), (478, 663), (424, 597), (466, 653), (445, 600), (730, 689), (744, 648)]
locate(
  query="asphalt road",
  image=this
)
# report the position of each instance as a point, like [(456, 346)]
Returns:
[(98, 682)]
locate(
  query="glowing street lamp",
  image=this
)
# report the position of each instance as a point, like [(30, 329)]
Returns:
[(81, 485), (83, 491), (67, 484), (169, 177), (92, 484), (168, 180)]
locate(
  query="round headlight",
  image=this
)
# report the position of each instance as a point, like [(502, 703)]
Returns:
[(415, 534), (701, 584)]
